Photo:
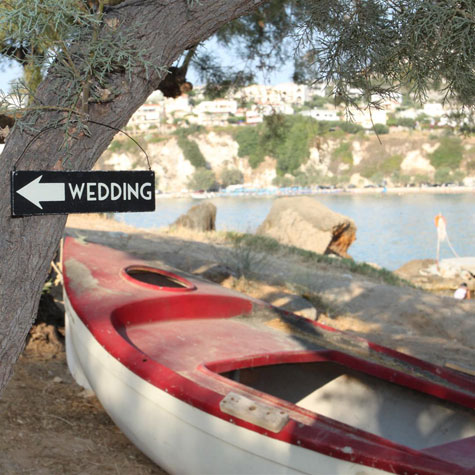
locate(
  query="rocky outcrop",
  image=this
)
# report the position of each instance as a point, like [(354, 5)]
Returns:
[(304, 222), (443, 277), (201, 217), (221, 151)]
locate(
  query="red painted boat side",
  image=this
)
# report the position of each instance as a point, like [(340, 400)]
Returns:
[(180, 339)]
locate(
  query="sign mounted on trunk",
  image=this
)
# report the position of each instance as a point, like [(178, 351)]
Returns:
[(62, 192)]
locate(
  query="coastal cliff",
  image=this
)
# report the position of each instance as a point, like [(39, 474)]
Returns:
[(335, 158)]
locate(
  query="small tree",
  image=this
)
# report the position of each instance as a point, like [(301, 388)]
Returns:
[(202, 179), (231, 176), (448, 154), (381, 129)]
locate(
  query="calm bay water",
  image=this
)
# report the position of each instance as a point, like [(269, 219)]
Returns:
[(391, 229)]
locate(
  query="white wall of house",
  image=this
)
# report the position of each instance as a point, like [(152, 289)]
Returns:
[(322, 114), (292, 93), (147, 115), (254, 117), (180, 104), (367, 118), (433, 109), (218, 106)]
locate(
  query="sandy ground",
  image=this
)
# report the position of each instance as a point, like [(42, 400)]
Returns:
[(50, 425)]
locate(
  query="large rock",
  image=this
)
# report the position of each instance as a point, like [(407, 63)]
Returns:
[(443, 277), (304, 222), (201, 217)]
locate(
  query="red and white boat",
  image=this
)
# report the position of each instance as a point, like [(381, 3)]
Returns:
[(205, 380)]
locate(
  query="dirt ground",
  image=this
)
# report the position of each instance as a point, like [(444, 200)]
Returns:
[(50, 425)]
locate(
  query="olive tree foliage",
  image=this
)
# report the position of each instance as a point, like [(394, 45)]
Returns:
[(75, 42), (363, 49), (381, 46)]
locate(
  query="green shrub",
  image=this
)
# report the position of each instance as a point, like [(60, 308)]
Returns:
[(249, 145), (376, 177), (202, 179), (380, 166), (391, 164), (349, 127), (381, 129), (401, 122), (282, 181), (458, 176), (231, 176), (311, 176), (446, 175), (343, 153), (236, 119), (286, 138), (369, 169), (191, 151), (448, 154), (471, 165), (442, 175), (294, 147), (155, 138), (317, 101)]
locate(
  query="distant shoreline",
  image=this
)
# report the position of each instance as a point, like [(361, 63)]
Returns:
[(267, 193)]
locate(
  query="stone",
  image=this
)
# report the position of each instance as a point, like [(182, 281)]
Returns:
[(441, 278), (305, 223), (215, 272), (201, 217), (413, 268)]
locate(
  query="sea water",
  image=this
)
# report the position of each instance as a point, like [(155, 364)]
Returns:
[(392, 229)]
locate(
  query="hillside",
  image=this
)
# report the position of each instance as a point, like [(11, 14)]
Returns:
[(297, 154)]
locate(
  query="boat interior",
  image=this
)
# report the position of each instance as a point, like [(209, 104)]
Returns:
[(399, 414)]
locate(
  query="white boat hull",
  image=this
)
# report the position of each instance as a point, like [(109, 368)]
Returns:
[(177, 436)]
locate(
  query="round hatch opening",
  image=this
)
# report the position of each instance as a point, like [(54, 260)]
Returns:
[(157, 278)]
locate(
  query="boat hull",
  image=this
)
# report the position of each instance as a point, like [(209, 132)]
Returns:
[(177, 436)]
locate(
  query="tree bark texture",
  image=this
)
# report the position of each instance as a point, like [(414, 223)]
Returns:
[(27, 245)]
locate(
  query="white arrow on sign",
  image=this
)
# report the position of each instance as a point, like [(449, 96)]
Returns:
[(36, 192)]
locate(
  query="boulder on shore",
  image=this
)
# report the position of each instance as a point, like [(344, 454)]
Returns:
[(201, 217), (441, 277), (304, 222)]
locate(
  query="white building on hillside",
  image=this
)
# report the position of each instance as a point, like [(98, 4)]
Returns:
[(254, 117), (367, 118), (330, 115), (256, 93), (214, 113), (318, 89), (433, 109), (286, 93), (218, 106), (270, 109), (177, 108), (147, 115), (291, 93)]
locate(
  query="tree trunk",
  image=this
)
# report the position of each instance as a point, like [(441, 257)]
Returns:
[(27, 245)]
